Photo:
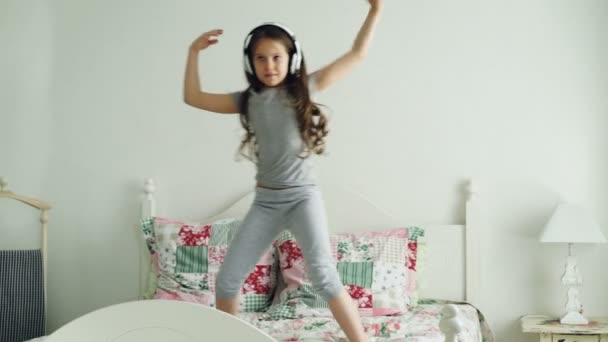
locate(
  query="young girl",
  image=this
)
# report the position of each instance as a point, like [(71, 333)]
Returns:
[(283, 128)]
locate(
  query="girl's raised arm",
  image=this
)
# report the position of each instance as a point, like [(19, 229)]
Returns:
[(193, 95), (344, 64)]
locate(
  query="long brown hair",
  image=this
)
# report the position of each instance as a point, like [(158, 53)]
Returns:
[(311, 120)]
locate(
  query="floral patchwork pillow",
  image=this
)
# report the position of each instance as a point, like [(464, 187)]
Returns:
[(377, 269), (188, 256)]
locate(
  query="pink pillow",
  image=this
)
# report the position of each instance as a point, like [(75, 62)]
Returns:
[(377, 269), (188, 256)]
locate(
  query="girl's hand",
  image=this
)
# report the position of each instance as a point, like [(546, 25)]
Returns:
[(206, 39), (376, 4)]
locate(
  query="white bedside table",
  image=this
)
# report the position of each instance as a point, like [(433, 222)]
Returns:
[(551, 330)]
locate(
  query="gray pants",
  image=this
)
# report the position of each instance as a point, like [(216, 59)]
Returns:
[(300, 210)]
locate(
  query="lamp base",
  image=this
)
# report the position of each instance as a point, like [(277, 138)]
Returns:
[(571, 279), (573, 317)]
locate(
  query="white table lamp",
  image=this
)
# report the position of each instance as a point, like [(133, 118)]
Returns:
[(572, 224)]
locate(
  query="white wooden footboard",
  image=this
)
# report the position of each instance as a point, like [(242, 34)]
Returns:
[(158, 321)]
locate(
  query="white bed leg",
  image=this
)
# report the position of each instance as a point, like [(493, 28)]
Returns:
[(450, 324)]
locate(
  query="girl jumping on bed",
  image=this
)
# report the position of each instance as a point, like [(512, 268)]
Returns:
[(283, 127)]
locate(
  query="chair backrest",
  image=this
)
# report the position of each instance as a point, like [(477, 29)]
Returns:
[(44, 207)]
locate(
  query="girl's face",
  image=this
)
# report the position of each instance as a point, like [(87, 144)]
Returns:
[(270, 61)]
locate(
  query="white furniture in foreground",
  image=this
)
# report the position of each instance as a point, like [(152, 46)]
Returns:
[(550, 329), (157, 321)]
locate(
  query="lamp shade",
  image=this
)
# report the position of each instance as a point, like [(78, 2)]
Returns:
[(571, 223)]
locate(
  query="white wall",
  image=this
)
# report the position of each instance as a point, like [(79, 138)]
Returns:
[(26, 45), (510, 92)]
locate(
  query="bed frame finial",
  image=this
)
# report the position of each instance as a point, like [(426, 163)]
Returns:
[(472, 189), (149, 186), (148, 208)]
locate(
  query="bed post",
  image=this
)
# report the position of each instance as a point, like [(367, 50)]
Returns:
[(148, 209), (472, 245), (450, 323)]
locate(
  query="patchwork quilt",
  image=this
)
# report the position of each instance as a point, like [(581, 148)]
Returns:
[(420, 324)]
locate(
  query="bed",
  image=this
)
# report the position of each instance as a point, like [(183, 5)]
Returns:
[(445, 292)]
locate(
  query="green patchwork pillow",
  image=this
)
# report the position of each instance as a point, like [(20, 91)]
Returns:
[(377, 269), (188, 256)]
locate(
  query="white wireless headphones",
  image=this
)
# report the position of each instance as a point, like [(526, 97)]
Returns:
[(296, 58)]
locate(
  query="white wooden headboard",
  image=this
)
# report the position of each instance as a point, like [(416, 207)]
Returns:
[(450, 267)]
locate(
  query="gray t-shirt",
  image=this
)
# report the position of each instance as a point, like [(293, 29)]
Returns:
[(280, 145)]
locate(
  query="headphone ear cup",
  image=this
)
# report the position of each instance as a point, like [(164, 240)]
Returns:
[(294, 63), (248, 67)]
